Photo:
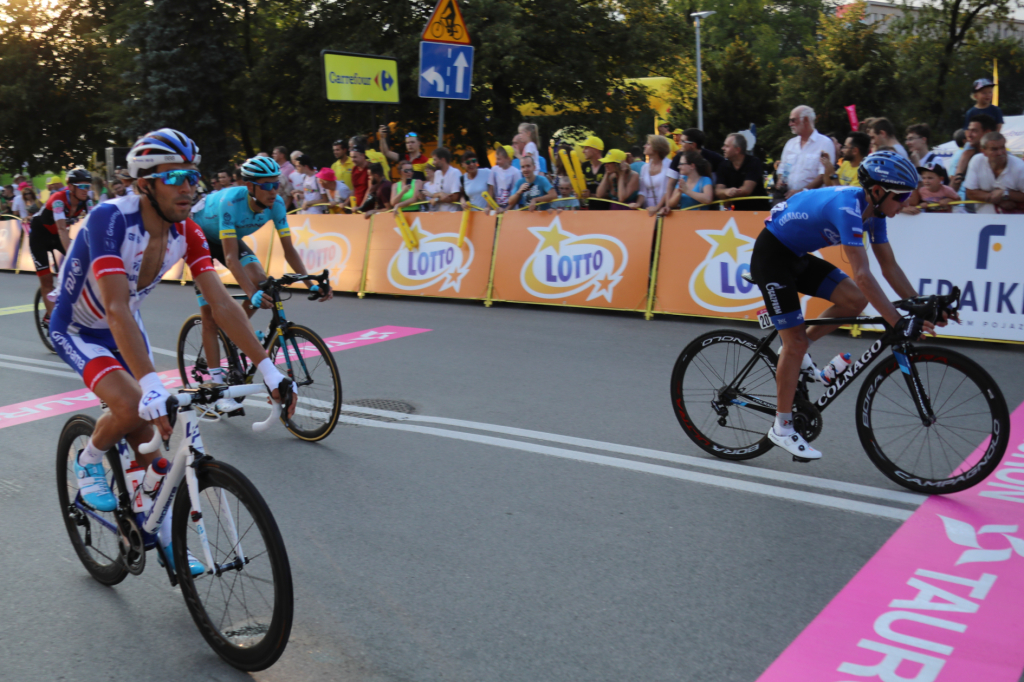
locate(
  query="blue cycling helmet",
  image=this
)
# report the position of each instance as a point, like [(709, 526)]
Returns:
[(159, 147), (888, 170), (259, 167)]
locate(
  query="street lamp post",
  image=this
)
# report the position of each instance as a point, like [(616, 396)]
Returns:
[(700, 93)]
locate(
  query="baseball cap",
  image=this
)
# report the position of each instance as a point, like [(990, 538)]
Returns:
[(23, 186), (594, 142), (613, 156), (53, 180), (677, 131), (511, 153), (982, 83), (937, 168), (326, 174)]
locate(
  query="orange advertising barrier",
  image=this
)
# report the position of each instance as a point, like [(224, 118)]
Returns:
[(437, 266), (701, 261), (584, 259), (335, 242)]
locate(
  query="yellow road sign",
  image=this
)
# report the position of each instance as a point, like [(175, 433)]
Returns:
[(359, 78), (446, 24)]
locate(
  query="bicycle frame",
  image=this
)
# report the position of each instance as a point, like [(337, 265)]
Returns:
[(899, 349)]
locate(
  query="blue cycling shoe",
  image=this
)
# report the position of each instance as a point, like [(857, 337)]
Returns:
[(93, 486), (194, 564)]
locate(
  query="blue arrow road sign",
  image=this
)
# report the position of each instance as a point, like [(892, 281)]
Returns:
[(446, 71)]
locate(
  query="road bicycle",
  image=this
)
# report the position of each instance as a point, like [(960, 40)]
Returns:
[(243, 603), (42, 320), (929, 418), (305, 356)]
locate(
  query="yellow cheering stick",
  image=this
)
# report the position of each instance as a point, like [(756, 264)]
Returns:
[(463, 228), (570, 170), (408, 236), (490, 201), (577, 166)]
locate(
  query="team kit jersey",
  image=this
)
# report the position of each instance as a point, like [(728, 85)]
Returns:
[(782, 263), (225, 214), (112, 242), (58, 207)]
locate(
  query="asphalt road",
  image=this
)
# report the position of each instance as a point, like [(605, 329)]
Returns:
[(455, 551)]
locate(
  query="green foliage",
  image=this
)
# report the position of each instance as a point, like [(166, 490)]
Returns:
[(738, 91)]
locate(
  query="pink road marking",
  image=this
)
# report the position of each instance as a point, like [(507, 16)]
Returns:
[(941, 601), (72, 401)]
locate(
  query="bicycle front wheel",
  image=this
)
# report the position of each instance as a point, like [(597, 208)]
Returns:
[(963, 446), (712, 420), (93, 534), (302, 355), (243, 605), (39, 310), (192, 364)]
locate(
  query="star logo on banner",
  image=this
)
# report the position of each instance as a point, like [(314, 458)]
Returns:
[(552, 237), (726, 241)]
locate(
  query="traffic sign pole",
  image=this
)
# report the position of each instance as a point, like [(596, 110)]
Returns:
[(440, 122)]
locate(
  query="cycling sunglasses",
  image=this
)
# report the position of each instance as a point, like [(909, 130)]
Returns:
[(176, 177), (901, 197), (84, 185), (266, 186)]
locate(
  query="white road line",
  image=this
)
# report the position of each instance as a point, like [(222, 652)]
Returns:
[(33, 361), (42, 370), (689, 460), (171, 353), (681, 474)]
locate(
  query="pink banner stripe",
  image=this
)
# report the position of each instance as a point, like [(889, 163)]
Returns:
[(941, 601), (72, 401)]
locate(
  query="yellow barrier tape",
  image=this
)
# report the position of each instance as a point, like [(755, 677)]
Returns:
[(490, 201), (577, 182), (463, 228), (412, 242)]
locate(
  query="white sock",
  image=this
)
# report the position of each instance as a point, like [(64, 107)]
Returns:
[(165, 531), (783, 423), (91, 454), (217, 375)]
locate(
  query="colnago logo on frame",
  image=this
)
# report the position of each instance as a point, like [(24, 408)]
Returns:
[(320, 250), (436, 260), (564, 264), (717, 283)]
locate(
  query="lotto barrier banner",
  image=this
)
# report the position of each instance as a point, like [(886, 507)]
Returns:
[(335, 242), (598, 259), (701, 261), (437, 266), (981, 254)]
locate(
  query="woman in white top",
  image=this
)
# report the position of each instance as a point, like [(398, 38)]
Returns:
[(532, 135), (311, 193), (652, 174)]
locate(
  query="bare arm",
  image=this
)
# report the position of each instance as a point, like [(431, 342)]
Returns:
[(130, 343), (892, 271), (234, 263), (384, 149), (866, 282), (64, 232)]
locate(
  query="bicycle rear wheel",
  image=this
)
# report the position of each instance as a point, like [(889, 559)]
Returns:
[(192, 364), (311, 364), (39, 310), (244, 607), (712, 421), (93, 534), (963, 446)]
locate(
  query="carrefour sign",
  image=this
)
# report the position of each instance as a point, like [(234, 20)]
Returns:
[(359, 78)]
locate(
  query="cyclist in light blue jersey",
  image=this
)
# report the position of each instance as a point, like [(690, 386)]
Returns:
[(228, 215), (783, 267)]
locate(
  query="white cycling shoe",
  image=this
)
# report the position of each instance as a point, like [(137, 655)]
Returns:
[(794, 444)]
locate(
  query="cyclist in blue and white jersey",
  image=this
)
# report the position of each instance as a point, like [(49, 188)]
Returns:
[(117, 259), (783, 267), (228, 215)]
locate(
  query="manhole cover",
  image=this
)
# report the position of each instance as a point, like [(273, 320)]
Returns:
[(376, 404)]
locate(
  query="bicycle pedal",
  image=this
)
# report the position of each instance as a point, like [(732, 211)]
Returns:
[(801, 459)]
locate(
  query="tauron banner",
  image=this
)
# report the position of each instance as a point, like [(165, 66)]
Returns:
[(437, 266), (702, 260), (586, 259)]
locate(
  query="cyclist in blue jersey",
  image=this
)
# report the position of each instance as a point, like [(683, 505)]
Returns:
[(117, 259), (783, 267), (225, 217)]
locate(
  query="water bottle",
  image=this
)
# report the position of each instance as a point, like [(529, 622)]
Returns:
[(133, 477), (154, 478), (834, 368)]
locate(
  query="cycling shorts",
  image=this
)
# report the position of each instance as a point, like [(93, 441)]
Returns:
[(41, 242), (245, 256), (783, 276), (91, 352)]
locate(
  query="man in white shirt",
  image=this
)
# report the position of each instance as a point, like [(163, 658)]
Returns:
[(800, 165), (447, 180), (995, 177), (18, 206)]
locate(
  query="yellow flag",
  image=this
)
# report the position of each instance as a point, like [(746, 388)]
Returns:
[(995, 79)]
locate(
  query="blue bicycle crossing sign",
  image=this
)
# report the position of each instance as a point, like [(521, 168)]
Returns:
[(446, 70)]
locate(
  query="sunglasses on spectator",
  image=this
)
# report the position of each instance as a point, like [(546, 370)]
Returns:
[(84, 185), (266, 186), (469, 161), (176, 177), (406, 170)]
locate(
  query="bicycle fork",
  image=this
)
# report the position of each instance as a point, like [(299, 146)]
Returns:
[(921, 400)]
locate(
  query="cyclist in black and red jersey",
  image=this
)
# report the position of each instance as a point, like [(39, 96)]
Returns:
[(50, 229)]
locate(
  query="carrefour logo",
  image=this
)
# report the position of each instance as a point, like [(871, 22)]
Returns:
[(384, 80), (436, 260), (564, 264), (717, 283)]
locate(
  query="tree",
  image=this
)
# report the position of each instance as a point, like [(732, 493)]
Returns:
[(738, 91)]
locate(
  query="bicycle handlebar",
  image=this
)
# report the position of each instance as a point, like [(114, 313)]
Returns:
[(322, 280), (931, 307)]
